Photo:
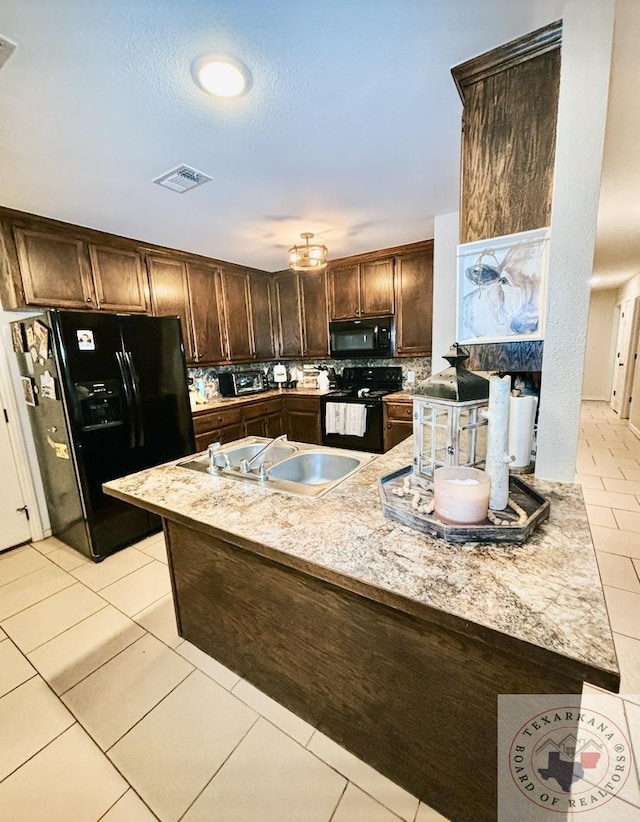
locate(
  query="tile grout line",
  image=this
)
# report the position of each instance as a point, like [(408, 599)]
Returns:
[(222, 764)]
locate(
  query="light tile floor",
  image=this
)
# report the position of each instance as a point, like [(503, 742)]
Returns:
[(107, 714)]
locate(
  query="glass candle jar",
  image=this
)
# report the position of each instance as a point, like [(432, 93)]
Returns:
[(461, 495)]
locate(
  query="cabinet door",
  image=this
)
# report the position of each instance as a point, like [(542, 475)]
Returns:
[(230, 433), (235, 288), (414, 295), (396, 432), (207, 318), (261, 317), (376, 288), (288, 312), (303, 419), (120, 279), (274, 425), (170, 295), (55, 269), (344, 291), (303, 426), (315, 325)]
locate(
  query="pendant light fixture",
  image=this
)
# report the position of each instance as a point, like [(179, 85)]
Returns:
[(308, 257)]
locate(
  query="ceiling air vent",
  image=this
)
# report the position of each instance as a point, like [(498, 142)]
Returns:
[(181, 179)]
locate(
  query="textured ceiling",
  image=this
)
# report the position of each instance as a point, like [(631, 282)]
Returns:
[(351, 128)]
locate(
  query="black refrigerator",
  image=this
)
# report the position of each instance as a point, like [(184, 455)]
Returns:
[(107, 396)]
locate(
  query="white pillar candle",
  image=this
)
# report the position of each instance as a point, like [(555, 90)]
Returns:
[(498, 459), (461, 495)]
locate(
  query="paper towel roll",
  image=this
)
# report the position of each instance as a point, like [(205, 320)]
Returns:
[(522, 415)]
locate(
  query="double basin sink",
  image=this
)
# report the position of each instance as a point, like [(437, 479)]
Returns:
[(306, 471)]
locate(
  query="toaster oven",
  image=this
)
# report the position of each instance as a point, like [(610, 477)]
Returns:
[(237, 383)]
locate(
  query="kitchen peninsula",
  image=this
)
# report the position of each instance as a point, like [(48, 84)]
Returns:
[(394, 644)]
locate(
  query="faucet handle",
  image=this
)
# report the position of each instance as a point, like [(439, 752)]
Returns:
[(213, 449)]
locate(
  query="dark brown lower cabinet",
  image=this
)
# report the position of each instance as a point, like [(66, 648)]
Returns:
[(398, 421), (224, 425), (303, 419), (263, 417), (411, 690)]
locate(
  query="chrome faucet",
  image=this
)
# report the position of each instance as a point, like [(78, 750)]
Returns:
[(214, 466), (245, 465)]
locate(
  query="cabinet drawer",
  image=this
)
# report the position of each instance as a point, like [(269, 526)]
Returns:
[(261, 409), (399, 410), (211, 420), (311, 404)]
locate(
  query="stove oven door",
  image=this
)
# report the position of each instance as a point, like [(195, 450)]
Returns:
[(373, 435)]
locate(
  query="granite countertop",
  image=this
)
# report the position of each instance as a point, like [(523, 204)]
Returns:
[(228, 402), (546, 592)]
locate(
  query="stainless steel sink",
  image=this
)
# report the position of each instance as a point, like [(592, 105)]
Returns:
[(246, 452), (313, 468), (304, 471)]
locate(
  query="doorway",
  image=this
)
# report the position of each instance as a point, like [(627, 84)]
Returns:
[(14, 514), (625, 357)]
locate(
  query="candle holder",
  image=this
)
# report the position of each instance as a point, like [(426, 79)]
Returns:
[(448, 428)]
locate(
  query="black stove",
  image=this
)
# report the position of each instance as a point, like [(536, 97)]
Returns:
[(359, 430)]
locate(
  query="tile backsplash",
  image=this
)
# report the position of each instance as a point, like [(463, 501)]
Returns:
[(421, 367)]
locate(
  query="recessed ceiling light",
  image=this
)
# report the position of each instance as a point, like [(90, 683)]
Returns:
[(221, 76)]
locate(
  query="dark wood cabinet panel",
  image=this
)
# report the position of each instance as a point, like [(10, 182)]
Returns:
[(261, 317), (170, 295), (120, 279), (301, 311), (398, 422), (376, 288), (361, 288), (274, 425), (237, 310), (315, 322), (55, 269), (344, 292), (288, 310), (414, 302), (510, 96), (509, 137), (209, 343), (303, 419)]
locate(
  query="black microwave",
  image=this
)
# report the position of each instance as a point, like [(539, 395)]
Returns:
[(372, 337)]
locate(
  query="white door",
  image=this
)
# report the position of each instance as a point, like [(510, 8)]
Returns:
[(13, 513), (622, 353)]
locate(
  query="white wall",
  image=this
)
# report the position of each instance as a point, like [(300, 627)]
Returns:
[(446, 234), (584, 87), (629, 290), (600, 349)]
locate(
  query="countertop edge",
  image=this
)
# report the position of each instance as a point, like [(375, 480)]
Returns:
[(601, 677)]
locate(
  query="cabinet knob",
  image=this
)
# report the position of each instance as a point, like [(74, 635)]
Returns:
[(89, 299)]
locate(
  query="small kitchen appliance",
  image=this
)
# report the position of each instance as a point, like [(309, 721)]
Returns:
[(238, 383), (370, 337)]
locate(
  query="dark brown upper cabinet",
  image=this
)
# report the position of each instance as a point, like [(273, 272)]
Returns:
[(361, 288), (261, 317), (414, 301), (60, 270), (190, 289), (510, 99), (170, 296), (301, 312), (206, 315), (120, 279), (247, 307)]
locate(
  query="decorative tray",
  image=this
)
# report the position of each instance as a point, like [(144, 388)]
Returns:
[(406, 499)]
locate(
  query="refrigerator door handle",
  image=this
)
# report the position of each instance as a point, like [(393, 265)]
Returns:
[(128, 398), (136, 395)]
